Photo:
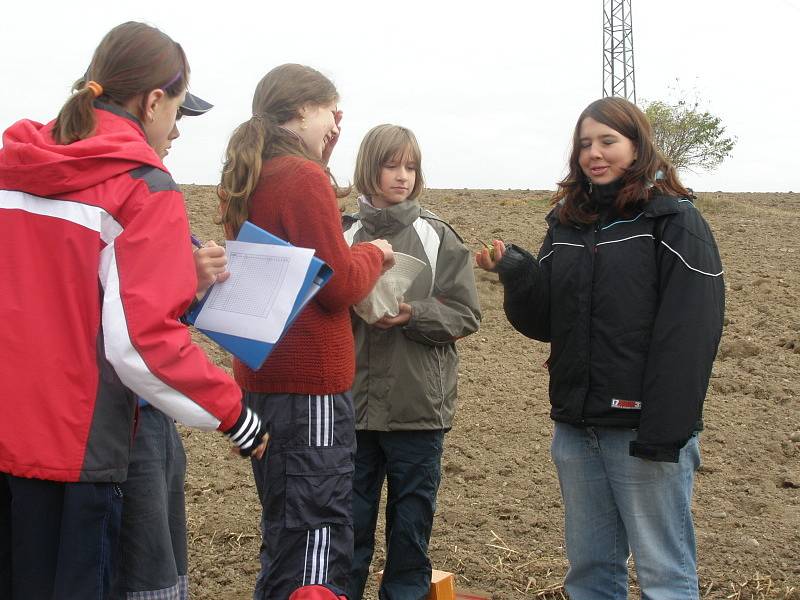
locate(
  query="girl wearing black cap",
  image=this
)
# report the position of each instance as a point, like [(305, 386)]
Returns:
[(153, 557), (90, 310)]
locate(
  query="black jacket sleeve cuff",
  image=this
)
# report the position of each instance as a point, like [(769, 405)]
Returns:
[(247, 431), (655, 452), (514, 259)]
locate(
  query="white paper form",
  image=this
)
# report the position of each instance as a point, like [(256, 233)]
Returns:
[(256, 300)]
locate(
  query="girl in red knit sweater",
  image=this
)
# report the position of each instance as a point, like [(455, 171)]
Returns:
[(275, 176)]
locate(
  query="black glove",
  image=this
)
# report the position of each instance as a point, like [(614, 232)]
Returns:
[(247, 432)]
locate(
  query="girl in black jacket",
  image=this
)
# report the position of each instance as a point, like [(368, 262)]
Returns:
[(627, 288)]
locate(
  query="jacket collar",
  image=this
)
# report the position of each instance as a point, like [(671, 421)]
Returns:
[(389, 220), (31, 160), (602, 197), (658, 206), (119, 111)]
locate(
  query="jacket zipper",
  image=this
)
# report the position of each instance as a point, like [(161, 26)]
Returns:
[(592, 252)]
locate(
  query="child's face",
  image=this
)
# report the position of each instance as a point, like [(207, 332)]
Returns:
[(318, 127), (397, 179), (159, 121), (605, 153), (162, 149)]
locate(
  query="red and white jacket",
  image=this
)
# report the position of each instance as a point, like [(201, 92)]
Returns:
[(97, 270)]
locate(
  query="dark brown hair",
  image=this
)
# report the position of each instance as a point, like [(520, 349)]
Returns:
[(132, 60), (278, 98), (649, 175), (382, 144)]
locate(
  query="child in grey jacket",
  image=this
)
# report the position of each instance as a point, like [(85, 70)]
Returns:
[(406, 365)]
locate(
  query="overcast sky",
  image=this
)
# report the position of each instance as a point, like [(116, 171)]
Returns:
[(491, 89)]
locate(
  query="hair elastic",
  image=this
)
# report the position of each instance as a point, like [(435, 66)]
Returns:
[(97, 89), (172, 81)]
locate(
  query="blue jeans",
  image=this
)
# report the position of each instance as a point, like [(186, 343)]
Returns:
[(57, 540), (152, 561), (616, 504), (410, 462)]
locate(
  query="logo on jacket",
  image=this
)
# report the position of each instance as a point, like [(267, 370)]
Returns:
[(626, 404)]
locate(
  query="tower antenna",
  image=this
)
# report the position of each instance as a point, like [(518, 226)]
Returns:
[(618, 75)]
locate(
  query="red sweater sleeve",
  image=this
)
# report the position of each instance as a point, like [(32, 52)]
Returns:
[(311, 219)]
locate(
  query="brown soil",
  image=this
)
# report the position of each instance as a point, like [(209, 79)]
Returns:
[(499, 519)]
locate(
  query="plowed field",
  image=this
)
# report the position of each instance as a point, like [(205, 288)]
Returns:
[(499, 520)]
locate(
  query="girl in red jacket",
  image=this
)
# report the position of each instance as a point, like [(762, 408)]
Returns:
[(275, 176), (100, 269)]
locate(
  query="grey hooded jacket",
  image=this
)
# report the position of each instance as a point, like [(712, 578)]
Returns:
[(406, 377)]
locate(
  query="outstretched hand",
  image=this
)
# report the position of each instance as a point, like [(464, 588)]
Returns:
[(488, 258)]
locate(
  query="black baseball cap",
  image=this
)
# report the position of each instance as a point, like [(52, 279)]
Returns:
[(193, 106)]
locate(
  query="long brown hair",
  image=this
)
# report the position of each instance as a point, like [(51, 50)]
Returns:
[(131, 60), (650, 174), (278, 98)]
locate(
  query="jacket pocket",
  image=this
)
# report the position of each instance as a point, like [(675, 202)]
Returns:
[(319, 483), (625, 375)]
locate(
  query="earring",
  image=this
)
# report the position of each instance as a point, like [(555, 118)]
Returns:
[(590, 187), (303, 125)]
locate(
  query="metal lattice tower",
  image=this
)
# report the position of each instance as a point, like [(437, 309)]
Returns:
[(618, 75)]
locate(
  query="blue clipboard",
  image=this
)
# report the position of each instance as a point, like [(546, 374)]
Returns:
[(251, 352)]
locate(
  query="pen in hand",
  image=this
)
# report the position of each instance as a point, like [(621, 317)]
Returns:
[(210, 263)]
